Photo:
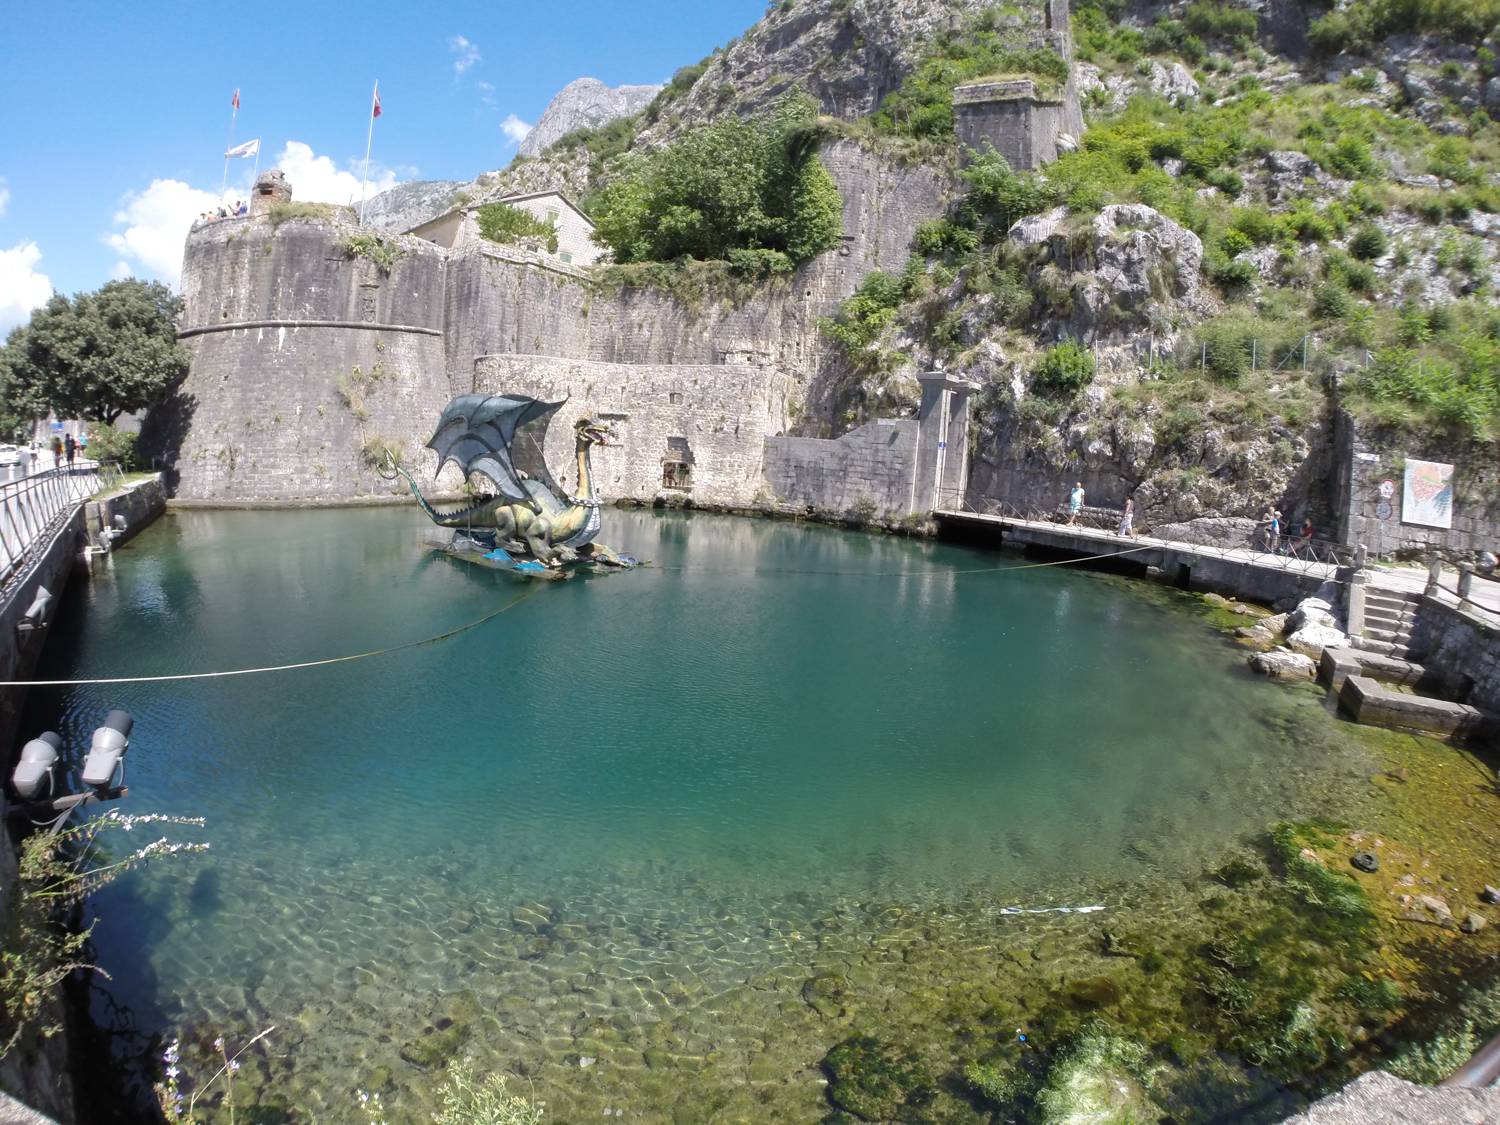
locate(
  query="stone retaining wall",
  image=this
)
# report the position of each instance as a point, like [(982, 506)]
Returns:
[(1460, 652), (872, 467)]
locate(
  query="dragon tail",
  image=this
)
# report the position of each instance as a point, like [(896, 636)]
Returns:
[(391, 468)]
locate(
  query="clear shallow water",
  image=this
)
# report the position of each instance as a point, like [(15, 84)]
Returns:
[(730, 768)]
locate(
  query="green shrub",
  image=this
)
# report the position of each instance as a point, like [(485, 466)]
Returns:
[(733, 184), (758, 263), (504, 224), (923, 105), (1227, 180), (1255, 223), (1234, 241), (997, 197), (1218, 21), (1331, 301), (1064, 370), (863, 316), (944, 236), (1368, 243), (383, 252), (106, 443), (1235, 273)]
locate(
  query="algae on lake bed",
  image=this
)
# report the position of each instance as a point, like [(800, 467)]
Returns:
[(822, 769)]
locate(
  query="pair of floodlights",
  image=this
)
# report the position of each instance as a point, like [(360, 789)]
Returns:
[(35, 775)]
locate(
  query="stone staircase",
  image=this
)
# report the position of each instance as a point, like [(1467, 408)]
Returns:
[(1389, 615)]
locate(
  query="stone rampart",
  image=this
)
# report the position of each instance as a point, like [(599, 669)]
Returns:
[(1460, 652), (307, 359), (871, 468), (710, 419)]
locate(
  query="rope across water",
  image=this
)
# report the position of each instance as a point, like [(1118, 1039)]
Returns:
[(517, 600)]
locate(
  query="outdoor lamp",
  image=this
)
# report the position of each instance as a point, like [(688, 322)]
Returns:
[(37, 759), (107, 749)]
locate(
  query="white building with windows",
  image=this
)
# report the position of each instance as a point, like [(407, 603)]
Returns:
[(575, 243)]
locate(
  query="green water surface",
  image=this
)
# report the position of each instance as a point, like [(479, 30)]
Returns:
[(627, 819)]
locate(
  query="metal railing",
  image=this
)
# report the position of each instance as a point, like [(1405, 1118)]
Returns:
[(1289, 551), (34, 507), (1465, 590)]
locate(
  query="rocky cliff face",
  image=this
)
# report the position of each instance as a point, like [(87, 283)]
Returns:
[(584, 103), (848, 54), (411, 204)]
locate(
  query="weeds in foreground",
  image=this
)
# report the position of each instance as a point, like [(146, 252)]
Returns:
[(57, 872), (169, 1090)]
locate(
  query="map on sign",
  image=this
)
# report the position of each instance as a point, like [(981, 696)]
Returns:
[(1427, 498)]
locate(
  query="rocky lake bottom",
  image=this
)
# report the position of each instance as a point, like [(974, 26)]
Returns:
[(796, 825)]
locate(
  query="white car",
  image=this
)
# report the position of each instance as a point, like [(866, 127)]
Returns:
[(9, 455)]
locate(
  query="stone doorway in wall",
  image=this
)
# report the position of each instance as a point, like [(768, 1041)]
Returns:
[(677, 465)]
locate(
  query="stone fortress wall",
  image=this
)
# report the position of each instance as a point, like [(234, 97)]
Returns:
[(307, 358)]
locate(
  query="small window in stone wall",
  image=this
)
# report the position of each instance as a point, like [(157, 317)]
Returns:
[(566, 255), (675, 398), (676, 474)]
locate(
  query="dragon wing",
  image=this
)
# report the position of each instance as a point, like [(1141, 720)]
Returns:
[(476, 431)]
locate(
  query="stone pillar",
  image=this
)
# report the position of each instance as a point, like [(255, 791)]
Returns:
[(941, 474), (1434, 576), (1465, 581), (1354, 623)]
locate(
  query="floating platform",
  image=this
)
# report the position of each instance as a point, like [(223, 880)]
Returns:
[(480, 549)]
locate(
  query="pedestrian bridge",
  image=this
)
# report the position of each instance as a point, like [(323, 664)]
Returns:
[(1244, 572)]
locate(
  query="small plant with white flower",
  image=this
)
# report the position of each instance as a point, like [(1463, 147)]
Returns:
[(57, 873), (169, 1094)]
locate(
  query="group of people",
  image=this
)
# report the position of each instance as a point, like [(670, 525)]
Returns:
[(240, 208), (1271, 531), (67, 446)]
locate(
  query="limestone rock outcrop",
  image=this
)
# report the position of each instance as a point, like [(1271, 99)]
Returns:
[(584, 103), (1281, 664), (1131, 265)]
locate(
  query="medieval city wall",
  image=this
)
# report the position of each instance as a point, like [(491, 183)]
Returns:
[(307, 358), (870, 467), (713, 418)]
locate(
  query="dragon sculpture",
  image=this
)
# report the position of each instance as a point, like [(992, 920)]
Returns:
[(501, 438)]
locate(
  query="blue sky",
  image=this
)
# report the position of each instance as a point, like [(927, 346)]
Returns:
[(115, 115)]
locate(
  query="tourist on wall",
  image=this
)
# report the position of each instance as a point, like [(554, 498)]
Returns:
[(1075, 503), (1273, 533), (1127, 518)]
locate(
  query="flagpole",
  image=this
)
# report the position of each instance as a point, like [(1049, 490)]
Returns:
[(234, 111), (364, 186)]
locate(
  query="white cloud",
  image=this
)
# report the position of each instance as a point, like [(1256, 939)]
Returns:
[(486, 93), (156, 223), (317, 179), (465, 54), (514, 128), (4, 197), (22, 288)]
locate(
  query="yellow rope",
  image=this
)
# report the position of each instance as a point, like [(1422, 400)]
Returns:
[(280, 667), (511, 605)]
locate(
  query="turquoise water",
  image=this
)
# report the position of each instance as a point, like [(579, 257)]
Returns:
[(647, 800)]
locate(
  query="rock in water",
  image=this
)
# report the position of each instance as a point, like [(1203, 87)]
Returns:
[(874, 1079), (1311, 640), (1281, 664), (1491, 894), (1472, 923), (1366, 861)]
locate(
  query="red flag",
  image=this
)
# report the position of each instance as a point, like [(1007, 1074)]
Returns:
[(235, 101), (375, 108)]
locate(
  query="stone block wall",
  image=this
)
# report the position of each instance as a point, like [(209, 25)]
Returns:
[(713, 417), (304, 356), (871, 466), (1364, 459), (1460, 653)]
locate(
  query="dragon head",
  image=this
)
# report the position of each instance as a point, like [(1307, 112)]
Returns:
[(589, 432)]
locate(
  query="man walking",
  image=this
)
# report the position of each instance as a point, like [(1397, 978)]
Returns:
[(1075, 503), (72, 448)]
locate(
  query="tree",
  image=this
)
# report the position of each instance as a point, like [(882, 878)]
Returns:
[(95, 356), (723, 189)]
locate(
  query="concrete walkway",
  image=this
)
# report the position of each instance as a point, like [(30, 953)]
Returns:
[(1413, 580), (1383, 1099)]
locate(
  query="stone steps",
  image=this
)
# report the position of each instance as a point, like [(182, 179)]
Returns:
[(1389, 616), (1372, 703), (1338, 664)]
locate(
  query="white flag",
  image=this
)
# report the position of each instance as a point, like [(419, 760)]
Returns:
[(249, 148)]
